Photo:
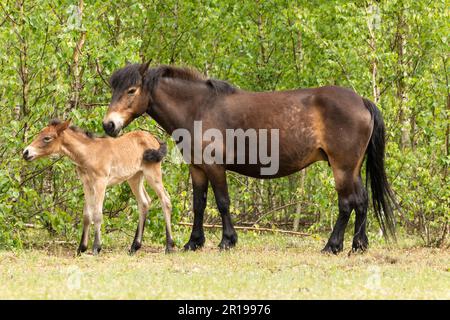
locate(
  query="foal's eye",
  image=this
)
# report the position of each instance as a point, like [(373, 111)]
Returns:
[(47, 139), (131, 91)]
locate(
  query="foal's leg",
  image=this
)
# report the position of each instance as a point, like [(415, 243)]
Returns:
[(99, 196), (154, 178), (360, 241), (218, 180), (137, 187), (200, 190), (87, 214), (346, 197), (86, 223)]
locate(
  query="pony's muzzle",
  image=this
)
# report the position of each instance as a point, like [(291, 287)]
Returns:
[(110, 128)]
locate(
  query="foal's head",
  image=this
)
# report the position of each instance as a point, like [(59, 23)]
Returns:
[(47, 142), (130, 97)]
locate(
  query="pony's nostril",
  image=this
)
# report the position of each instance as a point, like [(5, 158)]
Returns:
[(25, 154), (109, 126)]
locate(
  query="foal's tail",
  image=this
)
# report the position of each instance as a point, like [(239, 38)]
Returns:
[(153, 155), (383, 199)]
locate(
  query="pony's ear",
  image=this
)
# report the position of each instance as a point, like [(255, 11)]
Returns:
[(62, 126), (127, 63), (144, 67)]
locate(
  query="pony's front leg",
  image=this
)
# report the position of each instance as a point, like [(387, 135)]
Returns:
[(200, 190), (218, 180), (99, 195)]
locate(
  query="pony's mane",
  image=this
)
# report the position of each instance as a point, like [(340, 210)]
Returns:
[(130, 76)]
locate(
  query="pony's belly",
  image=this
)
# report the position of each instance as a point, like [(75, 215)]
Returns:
[(254, 171), (257, 171), (297, 159)]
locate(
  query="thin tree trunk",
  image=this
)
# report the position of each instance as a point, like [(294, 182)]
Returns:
[(298, 208), (23, 69), (447, 131), (401, 75), (372, 24), (76, 71)]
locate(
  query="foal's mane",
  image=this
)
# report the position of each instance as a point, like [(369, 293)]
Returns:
[(130, 75), (88, 134)]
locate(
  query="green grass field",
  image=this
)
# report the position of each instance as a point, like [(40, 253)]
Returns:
[(261, 267)]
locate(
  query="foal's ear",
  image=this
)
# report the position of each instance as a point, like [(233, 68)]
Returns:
[(62, 126), (144, 67)]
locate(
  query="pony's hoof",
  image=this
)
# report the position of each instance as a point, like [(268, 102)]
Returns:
[(360, 245), (193, 245), (331, 248), (228, 242)]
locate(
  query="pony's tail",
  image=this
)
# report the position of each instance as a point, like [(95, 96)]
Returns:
[(383, 199), (153, 155)]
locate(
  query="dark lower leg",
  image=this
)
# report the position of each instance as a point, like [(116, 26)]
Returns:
[(200, 190), (360, 241), (229, 235), (85, 235), (336, 242), (170, 245), (137, 242), (97, 247)]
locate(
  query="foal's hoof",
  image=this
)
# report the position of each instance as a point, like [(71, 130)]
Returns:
[(132, 251), (193, 245), (333, 248), (81, 249), (170, 246), (96, 251), (170, 250), (134, 248)]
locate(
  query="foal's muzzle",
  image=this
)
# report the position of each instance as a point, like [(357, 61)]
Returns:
[(26, 155)]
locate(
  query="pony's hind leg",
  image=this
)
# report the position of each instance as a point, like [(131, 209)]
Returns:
[(218, 180), (360, 240), (346, 201), (137, 187), (153, 176)]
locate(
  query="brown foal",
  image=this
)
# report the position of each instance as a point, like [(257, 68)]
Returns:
[(101, 162)]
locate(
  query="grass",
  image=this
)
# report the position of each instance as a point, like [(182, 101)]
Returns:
[(261, 267)]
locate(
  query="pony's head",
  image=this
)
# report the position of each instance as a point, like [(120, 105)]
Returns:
[(130, 97), (47, 142)]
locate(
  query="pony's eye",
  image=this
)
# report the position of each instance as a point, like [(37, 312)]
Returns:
[(47, 139), (131, 91)]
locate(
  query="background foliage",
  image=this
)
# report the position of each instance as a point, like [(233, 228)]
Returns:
[(56, 57)]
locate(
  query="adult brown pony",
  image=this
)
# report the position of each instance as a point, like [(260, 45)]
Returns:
[(329, 123)]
